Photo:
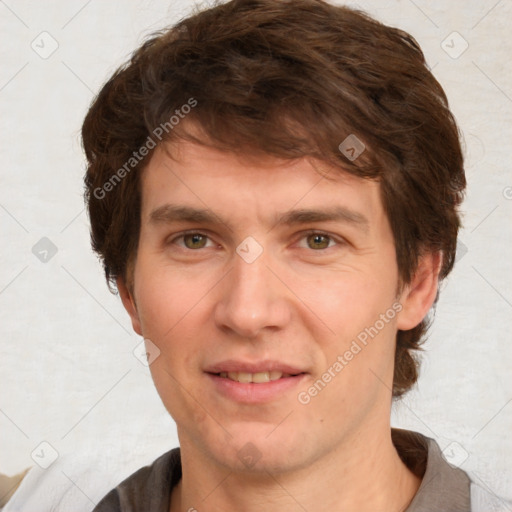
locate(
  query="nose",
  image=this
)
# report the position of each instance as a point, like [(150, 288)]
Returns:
[(252, 299)]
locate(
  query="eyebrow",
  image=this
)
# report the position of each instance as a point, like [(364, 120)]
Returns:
[(169, 213)]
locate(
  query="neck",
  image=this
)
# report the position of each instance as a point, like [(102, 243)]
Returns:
[(365, 474)]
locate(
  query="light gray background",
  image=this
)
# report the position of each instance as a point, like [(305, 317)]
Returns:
[(69, 376)]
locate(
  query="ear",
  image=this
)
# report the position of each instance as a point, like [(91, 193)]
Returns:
[(419, 295), (129, 304)]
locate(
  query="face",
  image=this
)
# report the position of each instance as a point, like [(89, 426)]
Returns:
[(270, 291)]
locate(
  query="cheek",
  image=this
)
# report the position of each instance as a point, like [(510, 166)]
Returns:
[(166, 298), (358, 371), (357, 308), (171, 313), (176, 311), (343, 304)]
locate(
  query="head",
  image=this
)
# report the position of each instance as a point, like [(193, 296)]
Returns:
[(251, 111)]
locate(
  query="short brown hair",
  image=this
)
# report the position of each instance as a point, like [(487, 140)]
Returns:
[(287, 79)]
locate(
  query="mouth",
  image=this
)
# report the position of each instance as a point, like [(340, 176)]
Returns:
[(255, 378), (254, 383)]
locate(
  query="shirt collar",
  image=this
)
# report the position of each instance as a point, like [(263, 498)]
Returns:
[(443, 487)]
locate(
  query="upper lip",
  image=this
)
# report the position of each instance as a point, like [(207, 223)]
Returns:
[(232, 365)]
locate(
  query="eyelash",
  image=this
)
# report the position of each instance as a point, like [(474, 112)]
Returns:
[(304, 234)]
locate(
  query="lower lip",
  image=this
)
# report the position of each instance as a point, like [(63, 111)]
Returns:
[(252, 393)]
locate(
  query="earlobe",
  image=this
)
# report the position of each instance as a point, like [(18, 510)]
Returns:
[(129, 304), (419, 295)]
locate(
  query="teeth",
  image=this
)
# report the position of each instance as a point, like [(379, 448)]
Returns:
[(253, 377), (240, 376), (274, 375), (261, 377)]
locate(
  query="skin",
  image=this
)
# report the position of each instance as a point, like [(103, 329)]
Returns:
[(302, 301)]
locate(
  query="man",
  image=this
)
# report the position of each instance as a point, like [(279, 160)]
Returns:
[(273, 189)]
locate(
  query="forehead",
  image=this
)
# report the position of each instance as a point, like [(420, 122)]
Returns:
[(204, 177)]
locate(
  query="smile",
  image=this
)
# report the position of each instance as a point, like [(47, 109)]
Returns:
[(255, 382), (256, 378)]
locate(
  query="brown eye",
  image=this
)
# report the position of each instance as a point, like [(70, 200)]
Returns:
[(318, 241), (194, 241)]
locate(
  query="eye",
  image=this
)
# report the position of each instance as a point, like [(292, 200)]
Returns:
[(318, 241), (192, 240)]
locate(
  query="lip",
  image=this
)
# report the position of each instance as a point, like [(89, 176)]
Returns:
[(254, 393), (232, 365), (251, 393)]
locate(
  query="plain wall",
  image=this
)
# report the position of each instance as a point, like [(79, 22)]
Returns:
[(69, 376)]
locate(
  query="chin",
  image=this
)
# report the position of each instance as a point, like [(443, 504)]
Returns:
[(256, 448)]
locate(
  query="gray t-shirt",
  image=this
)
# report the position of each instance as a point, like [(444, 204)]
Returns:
[(444, 488)]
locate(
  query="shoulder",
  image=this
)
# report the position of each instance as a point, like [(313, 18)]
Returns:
[(147, 489), (443, 486)]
